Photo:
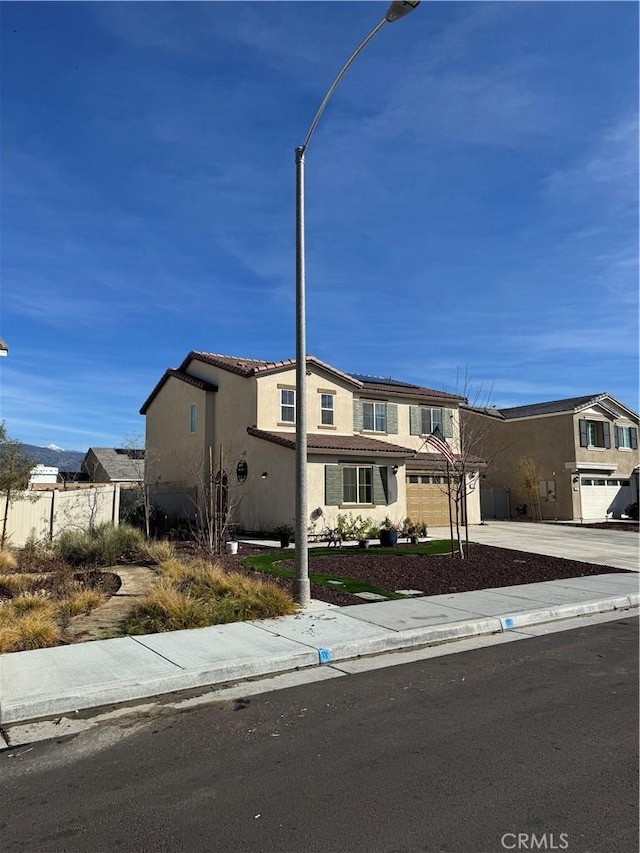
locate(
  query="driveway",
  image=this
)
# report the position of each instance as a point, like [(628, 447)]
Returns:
[(590, 545)]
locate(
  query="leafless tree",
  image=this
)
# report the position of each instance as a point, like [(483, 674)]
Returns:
[(15, 469)]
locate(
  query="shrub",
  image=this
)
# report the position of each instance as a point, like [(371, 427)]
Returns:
[(29, 602), (8, 562), (159, 551), (31, 630), (17, 584), (167, 609), (197, 594), (102, 545), (82, 601)]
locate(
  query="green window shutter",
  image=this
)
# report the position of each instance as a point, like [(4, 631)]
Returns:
[(616, 435), (606, 430), (447, 423), (584, 441), (392, 418), (633, 434), (415, 420), (332, 485), (380, 485), (357, 415)]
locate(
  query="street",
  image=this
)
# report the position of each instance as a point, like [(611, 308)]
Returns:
[(526, 745)]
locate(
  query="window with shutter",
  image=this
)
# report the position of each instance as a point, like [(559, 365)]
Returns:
[(447, 423), (415, 420)]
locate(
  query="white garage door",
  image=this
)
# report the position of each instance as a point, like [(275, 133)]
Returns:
[(602, 496)]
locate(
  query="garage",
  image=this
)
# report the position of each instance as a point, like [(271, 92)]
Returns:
[(602, 496), (427, 499)]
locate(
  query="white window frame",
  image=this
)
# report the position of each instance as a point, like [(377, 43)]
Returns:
[(624, 438), (326, 411), (287, 405), (193, 419), (378, 416), (427, 420), (595, 429), (363, 490)]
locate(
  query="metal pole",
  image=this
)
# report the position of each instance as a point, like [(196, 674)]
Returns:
[(302, 587)]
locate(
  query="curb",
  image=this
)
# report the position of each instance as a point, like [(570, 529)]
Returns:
[(279, 655)]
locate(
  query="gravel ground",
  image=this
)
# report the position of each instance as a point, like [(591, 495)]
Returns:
[(486, 567)]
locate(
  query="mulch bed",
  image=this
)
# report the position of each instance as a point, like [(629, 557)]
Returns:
[(485, 567)]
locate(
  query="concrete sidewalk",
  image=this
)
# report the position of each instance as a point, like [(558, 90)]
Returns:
[(48, 682)]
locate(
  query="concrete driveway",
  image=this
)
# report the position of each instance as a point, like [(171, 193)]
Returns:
[(590, 545)]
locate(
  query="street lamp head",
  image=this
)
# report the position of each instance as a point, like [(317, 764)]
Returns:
[(400, 8)]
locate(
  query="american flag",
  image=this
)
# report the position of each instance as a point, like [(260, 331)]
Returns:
[(440, 444)]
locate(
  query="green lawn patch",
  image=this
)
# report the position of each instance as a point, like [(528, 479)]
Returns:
[(271, 564)]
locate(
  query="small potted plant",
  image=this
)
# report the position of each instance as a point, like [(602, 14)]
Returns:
[(388, 533), (285, 533)]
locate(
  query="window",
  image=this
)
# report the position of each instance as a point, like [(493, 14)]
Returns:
[(287, 406), (374, 417), (357, 485), (192, 418), (595, 434), (326, 409), (431, 418), (626, 437)]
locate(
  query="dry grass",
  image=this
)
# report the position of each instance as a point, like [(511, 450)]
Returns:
[(159, 551), (17, 584), (197, 594), (8, 562), (82, 601), (35, 629)]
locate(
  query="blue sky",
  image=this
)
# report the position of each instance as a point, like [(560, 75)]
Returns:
[(472, 199)]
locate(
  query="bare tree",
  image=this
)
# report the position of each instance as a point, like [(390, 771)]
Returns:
[(530, 476), (15, 469), (139, 497)]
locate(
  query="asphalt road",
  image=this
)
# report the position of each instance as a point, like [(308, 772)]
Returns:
[(527, 745)]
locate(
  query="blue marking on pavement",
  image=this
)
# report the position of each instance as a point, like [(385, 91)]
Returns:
[(324, 655), (508, 622)]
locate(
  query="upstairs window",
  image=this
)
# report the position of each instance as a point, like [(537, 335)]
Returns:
[(193, 418), (326, 409), (374, 417), (595, 434), (626, 437), (431, 418), (287, 406)]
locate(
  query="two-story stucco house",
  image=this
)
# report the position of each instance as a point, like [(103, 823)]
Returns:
[(585, 450), (366, 441)]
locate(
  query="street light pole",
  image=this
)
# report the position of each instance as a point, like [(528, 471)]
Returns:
[(302, 591)]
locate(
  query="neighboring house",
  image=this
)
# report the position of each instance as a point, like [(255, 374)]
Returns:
[(585, 450), (366, 449), (114, 465)]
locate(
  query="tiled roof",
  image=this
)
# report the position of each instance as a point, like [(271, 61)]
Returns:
[(377, 384), (183, 377), (352, 443), (551, 407), (435, 461), (253, 367), (571, 404)]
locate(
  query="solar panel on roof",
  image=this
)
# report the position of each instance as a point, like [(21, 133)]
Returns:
[(381, 380)]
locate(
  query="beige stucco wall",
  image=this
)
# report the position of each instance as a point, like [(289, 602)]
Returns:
[(318, 382), (174, 456), (551, 441)]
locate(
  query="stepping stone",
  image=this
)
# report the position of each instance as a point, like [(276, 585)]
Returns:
[(371, 596), (410, 592)]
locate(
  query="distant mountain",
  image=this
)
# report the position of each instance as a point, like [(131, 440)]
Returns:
[(56, 457)]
